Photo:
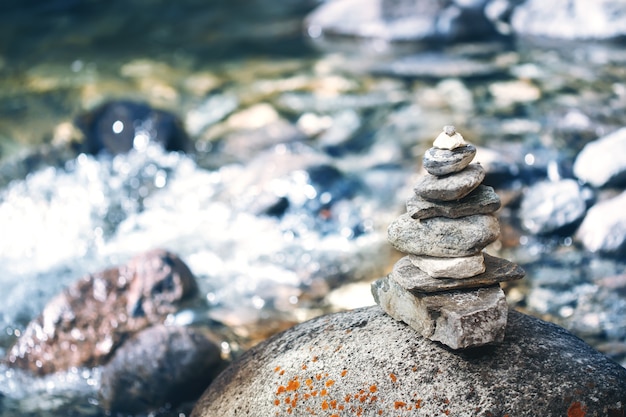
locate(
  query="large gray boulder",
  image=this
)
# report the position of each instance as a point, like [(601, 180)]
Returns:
[(365, 363)]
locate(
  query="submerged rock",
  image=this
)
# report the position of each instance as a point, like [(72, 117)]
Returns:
[(119, 126), (364, 362), (86, 323)]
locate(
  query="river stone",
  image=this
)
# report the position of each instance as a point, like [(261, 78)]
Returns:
[(459, 319), (364, 362), (399, 20), (415, 280), (552, 205), (604, 227), (444, 161), (119, 126), (450, 187), (483, 200), (84, 324), (570, 19), (160, 365), (602, 161), (462, 267), (443, 237)]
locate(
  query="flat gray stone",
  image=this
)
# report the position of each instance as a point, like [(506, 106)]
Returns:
[(443, 237), (365, 362), (450, 187), (415, 280), (483, 200), (459, 268), (459, 319), (444, 161)]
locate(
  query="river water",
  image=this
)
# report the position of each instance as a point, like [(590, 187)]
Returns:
[(351, 127)]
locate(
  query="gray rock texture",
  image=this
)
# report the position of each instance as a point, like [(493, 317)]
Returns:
[(363, 362), (463, 267), (603, 161), (483, 200), (160, 365), (415, 280), (459, 319), (604, 227), (551, 205), (444, 161), (451, 187), (440, 236)]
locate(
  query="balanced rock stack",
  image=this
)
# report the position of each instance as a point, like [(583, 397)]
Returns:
[(447, 288)]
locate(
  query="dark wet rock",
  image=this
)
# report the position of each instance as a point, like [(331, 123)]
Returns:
[(483, 200), (459, 319), (86, 323), (158, 366), (443, 237), (411, 278), (444, 161), (365, 362), (572, 20), (604, 227), (119, 126), (549, 206), (400, 20), (451, 187), (602, 162)]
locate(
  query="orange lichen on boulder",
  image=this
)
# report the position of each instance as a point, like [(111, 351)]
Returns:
[(576, 410)]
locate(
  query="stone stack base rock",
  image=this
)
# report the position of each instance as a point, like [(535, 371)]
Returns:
[(447, 288)]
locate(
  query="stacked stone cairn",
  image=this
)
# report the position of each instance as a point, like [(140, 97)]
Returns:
[(446, 287)]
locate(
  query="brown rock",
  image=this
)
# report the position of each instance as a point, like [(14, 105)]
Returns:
[(84, 324)]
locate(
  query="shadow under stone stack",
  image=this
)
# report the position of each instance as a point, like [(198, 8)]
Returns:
[(447, 288)]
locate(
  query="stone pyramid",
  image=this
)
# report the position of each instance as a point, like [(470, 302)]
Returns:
[(446, 287)]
